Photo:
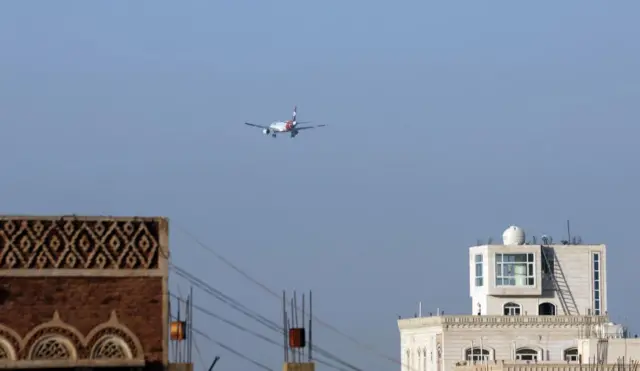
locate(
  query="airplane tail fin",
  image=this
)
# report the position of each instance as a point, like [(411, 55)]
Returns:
[(295, 113)]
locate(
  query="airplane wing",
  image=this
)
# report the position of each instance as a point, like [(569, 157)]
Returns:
[(309, 127), (256, 126)]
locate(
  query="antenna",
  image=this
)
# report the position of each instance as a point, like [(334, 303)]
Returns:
[(568, 231)]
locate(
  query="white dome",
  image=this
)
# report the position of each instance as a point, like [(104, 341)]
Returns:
[(513, 236)]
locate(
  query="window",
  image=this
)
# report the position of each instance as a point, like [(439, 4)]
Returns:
[(596, 284), (571, 355), (526, 354), (515, 270), (476, 354), (547, 309), (511, 309), (479, 276)]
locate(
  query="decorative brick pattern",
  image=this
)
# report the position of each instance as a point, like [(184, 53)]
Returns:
[(83, 292), (79, 243), (85, 303)]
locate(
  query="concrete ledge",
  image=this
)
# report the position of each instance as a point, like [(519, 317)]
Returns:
[(299, 366), (495, 321), (26, 364), (180, 367)]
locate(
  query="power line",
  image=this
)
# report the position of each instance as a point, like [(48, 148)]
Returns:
[(242, 328), (276, 295), (229, 349), (320, 361), (247, 312)]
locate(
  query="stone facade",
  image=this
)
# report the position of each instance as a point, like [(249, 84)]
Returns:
[(83, 291)]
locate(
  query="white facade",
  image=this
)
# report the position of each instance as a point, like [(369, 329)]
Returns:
[(544, 304), (536, 279)]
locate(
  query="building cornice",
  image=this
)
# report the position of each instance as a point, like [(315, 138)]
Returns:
[(461, 321)]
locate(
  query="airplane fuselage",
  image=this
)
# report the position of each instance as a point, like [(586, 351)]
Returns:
[(281, 126)]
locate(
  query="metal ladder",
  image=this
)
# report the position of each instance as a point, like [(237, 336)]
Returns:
[(567, 300)]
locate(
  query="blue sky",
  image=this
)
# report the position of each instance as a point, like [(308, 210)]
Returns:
[(447, 122)]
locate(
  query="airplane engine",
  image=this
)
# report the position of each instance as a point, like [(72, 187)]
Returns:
[(266, 131)]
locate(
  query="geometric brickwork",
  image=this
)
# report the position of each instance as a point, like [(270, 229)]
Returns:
[(83, 291), (57, 340), (79, 243)]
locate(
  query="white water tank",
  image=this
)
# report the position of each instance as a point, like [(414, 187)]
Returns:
[(513, 236)]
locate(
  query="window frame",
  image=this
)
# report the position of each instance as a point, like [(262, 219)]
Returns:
[(597, 283), (505, 269), (571, 352), (512, 309), (527, 352), (477, 354), (479, 270)]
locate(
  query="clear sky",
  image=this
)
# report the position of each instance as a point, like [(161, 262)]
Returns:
[(448, 121)]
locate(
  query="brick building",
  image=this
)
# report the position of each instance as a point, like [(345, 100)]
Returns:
[(83, 292)]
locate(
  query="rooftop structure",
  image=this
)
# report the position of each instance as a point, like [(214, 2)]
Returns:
[(531, 302)]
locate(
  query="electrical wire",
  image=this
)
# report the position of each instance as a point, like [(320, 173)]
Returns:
[(275, 294), (211, 314), (247, 312), (195, 345), (235, 304), (228, 348), (243, 309)]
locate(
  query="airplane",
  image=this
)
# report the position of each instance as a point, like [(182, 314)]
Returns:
[(282, 127)]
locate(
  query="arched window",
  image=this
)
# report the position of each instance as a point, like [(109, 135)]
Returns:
[(526, 354), (52, 347), (571, 355), (547, 309), (512, 309), (477, 354), (111, 347)]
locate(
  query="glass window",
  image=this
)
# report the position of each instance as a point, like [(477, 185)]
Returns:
[(477, 354), (526, 354), (571, 355), (479, 275), (515, 269), (596, 284), (511, 309)]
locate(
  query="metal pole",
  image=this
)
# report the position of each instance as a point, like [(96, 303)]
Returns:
[(284, 325), (310, 337), (303, 322), (293, 350)]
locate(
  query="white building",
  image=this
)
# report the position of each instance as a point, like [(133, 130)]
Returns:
[(543, 304)]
